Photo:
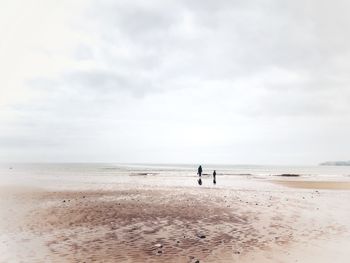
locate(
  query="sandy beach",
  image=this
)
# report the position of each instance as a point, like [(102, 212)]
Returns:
[(252, 220), (184, 131)]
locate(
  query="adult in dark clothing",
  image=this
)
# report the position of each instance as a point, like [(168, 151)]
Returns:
[(200, 171), (214, 177)]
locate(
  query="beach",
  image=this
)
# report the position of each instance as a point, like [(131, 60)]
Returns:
[(160, 214)]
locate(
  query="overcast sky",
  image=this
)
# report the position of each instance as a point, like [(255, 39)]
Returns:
[(185, 81)]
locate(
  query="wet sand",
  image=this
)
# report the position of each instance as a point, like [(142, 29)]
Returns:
[(165, 224), (324, 185)]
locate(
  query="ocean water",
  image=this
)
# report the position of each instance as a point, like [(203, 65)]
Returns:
[(176, 175), (102, 169)]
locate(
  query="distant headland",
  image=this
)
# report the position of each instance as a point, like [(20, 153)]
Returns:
[(336, 163)]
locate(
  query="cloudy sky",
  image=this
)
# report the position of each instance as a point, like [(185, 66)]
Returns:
[(185, 81)]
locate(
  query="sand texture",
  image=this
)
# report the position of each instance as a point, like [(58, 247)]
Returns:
[(151, 216), (167, 225)]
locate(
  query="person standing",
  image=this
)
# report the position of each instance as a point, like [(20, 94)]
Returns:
[(214, 177), (200, 170)]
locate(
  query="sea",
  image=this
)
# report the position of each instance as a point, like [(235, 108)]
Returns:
[(175, 175)]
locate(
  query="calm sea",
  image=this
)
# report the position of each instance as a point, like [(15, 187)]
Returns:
[(63, 174)]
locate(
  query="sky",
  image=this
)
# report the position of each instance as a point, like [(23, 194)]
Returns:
[(185, 81)]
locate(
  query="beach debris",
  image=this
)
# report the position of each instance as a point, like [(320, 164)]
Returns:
[(158, 245), (288, 175), (197, 261), (159, 252), (201, 236), (142, 174), (64, 201)]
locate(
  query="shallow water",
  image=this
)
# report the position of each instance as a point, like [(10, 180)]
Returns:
[(228, 176)]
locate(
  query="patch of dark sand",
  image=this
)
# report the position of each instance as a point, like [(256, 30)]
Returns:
[(117, 226), (126, 225)]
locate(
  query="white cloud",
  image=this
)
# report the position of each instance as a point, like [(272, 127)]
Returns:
[(174, 81)]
